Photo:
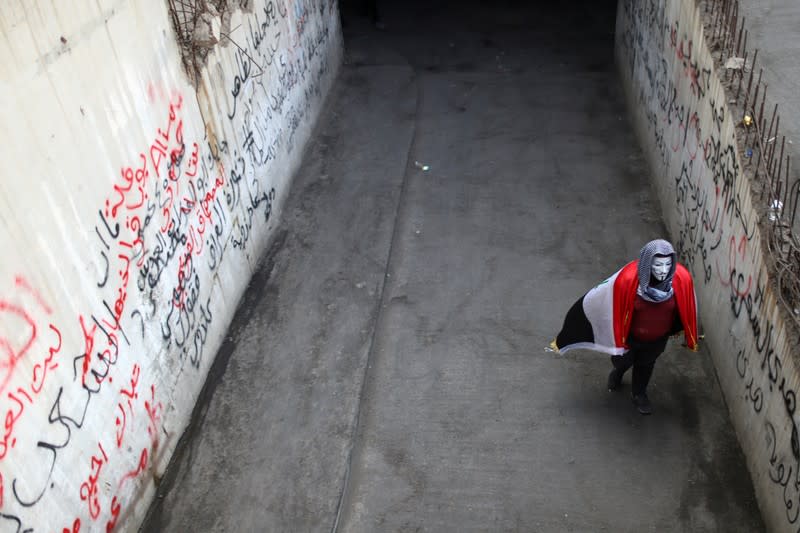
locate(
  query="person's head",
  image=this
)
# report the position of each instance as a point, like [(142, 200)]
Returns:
[(657, 263)]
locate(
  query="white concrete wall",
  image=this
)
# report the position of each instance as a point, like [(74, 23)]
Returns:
[(689, 133), (133, 209)]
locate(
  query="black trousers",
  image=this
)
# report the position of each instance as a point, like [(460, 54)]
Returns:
[(642, 357)]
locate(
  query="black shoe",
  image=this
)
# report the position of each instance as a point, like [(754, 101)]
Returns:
[(614, 380), (642, 403)]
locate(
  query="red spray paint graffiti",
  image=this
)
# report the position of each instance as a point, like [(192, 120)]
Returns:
[(16, 317)]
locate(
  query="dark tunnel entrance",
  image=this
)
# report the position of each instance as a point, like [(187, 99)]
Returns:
[(506, 36)]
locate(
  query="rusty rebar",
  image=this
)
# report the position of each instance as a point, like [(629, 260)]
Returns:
[(722, 19), (730, 37), (744, 45), (750, 83), (739, 40), (773, 146), (714, 18), (796, 188), (747, 93), (755, 58), (771, 160), (755, 101), (772, 121), (741, 77), (726, 35), (777, 130), (780, 160), (732, 27), (786, 186), (774, 180)]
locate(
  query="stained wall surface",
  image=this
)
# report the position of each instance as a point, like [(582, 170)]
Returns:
[(689, 132), (135, 205)]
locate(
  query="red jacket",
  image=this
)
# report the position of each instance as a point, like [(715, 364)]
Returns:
[(625, 287)]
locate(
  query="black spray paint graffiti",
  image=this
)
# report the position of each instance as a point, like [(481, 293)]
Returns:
[(171, 223), (699, 223), (268, 126), (785, 472), (715, 228)]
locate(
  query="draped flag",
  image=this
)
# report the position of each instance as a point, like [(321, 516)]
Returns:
[(600, 320)]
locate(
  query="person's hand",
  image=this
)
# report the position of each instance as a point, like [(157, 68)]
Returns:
[(699, 338)]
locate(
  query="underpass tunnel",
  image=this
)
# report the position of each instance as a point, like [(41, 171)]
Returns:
[(475, 172)]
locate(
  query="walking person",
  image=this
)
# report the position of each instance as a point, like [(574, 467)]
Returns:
[(632, 314)]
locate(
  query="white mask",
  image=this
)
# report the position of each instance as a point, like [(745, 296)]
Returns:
[(661, 267)]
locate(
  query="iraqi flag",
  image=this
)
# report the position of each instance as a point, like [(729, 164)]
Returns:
[(601, 319)]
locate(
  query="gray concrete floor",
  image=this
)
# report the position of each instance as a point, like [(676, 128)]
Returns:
[(386, 370)]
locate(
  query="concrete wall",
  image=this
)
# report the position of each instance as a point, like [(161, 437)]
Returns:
[(688, 131), (135, 206)]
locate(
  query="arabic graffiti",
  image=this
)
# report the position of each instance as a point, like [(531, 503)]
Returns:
[(693, 135), (86, 369)]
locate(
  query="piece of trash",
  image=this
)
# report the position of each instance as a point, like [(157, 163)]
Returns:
[(424, 168), (747, 121), (748, 153), (770, 140), (735, 63), (774, 211)]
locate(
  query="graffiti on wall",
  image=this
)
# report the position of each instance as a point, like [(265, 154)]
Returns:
[(716, 235), (84, 406)]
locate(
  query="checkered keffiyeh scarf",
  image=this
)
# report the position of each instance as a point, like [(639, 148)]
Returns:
[(663, 290)]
